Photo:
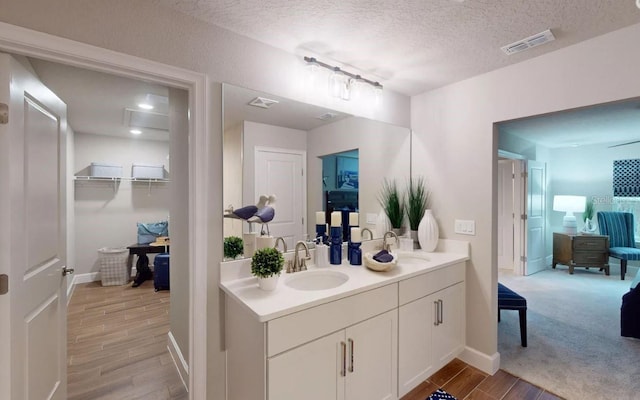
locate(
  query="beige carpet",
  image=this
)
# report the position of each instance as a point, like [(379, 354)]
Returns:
[(575, 348)]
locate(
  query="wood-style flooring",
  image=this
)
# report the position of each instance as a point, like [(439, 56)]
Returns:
[(467, 383), (117, 344)]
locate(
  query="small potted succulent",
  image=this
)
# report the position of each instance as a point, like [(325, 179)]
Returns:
[(233, 247), (587, 217), (266, 265)]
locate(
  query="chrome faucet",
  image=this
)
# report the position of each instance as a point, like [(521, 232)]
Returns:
[(367, 230), (386, 246), (299, 264), (284, 244)]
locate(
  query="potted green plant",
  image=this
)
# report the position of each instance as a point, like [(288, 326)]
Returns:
[(587, 216), (392, 203), (233, 247), (417, 202), (266, 265)]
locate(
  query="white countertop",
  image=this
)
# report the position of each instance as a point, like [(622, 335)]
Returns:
[(267, 305)]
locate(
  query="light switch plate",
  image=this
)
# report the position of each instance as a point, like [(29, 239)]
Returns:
[(465, 227), (372, 218)]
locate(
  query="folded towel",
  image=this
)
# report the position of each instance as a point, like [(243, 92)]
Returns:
[(383, 256)]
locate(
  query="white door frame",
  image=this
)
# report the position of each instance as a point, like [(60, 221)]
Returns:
[(519, 197), (18, 40)]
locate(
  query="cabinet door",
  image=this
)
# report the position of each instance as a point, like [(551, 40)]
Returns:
[(372, 348), (415, 352), (448, 335), (310, 372)]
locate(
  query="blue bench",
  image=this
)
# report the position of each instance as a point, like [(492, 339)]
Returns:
[(510, 300)]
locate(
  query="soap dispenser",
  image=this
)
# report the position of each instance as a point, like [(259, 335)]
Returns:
[(322, 253)]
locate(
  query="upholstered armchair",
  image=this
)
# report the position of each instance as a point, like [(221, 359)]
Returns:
[(619, 227)]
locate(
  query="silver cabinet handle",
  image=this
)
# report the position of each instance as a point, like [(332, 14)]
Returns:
[(343, 350), (437, 310), (350, 354), (441, 314)]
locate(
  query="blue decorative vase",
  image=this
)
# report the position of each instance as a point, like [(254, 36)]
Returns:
[(335, 250)]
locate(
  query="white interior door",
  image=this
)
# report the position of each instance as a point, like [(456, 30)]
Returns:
[(281, 172), (534, 254), (32, 237), (505, 214)]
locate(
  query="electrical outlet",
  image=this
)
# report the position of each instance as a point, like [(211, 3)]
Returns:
[(465, 227)]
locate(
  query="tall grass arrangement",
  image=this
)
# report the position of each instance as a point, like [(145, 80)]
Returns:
[(392, 203), (417, 201)]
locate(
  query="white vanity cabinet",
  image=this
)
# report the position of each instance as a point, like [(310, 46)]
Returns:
[(343, 349), (431, 320), (356, 363)]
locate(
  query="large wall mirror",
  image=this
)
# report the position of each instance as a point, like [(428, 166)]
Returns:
[(311, 158)]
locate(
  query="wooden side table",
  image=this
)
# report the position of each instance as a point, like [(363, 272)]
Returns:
[(581, 251)]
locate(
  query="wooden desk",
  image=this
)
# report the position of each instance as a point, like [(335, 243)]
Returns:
[(581, 251), (143, 249)]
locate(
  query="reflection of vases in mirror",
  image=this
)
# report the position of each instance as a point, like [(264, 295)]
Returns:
[(428, 232), (382, 224), (414, 236), (249, 240)]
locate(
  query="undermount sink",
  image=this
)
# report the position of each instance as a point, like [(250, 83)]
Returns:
[(316, 280), (412, 258)]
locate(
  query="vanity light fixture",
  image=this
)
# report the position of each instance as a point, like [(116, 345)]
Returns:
[(135, 131), (343, 84)]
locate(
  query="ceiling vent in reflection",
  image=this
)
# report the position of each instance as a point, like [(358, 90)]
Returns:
[(327, 116), (262, 102), (146, 119), (527, 43)]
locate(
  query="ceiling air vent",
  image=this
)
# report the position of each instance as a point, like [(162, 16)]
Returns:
[(527, 43), (326, 116), (262, 102)]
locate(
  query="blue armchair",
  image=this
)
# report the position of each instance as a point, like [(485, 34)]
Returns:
[(619, 227)]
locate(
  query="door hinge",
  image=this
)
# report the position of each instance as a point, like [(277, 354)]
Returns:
[(524, 174), (523, 217), (4, 113), (302, 220), (523, 258), (4, 284), (302, 172)]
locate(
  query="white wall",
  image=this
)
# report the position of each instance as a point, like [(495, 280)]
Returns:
[(105, 213), (456, 148), (384, 152), (232, 178)]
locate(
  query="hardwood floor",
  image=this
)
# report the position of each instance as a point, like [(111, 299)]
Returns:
[(117, 344), (467, 383)]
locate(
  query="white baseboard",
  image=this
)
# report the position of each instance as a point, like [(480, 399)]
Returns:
[(178, 360), (485, 363), (548, 260)]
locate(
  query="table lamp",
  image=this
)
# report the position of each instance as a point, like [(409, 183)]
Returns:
[(569, 204)]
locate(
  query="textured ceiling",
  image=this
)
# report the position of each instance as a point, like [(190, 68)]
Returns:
[(412, 46)]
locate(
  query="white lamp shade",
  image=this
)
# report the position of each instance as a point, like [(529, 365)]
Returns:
[(569, 203)]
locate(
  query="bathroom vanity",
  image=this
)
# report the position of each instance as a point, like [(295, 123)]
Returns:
[(345, 332)]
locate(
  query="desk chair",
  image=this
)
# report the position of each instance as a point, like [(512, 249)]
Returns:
[(622, 245)]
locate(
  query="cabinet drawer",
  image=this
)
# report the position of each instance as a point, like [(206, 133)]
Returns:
[(587, 243), (589, 257), (430, 282), (304, 326)]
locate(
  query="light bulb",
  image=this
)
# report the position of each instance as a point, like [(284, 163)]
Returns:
[(145, 106), (336, 82)]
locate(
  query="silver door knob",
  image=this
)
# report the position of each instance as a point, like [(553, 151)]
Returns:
[(66, 271)]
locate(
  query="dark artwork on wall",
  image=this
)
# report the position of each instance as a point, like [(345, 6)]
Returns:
[(347, 172), (626, 178)]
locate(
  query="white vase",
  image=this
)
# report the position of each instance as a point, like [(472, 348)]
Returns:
[(428, 232), (268, 284)]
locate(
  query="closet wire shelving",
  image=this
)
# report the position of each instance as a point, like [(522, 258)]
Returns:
[(117, 180)]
